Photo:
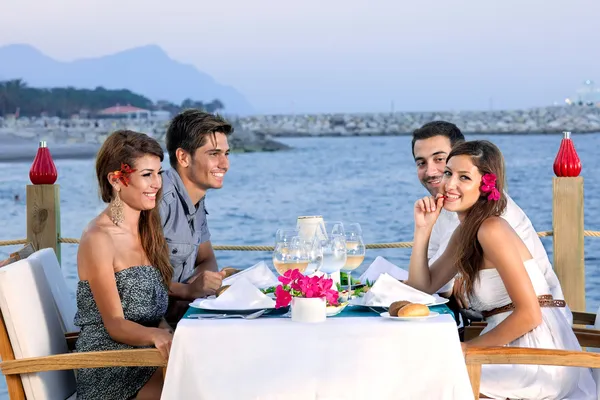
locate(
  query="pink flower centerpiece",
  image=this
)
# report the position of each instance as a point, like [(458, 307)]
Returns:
[(308, 296), (294, 284)]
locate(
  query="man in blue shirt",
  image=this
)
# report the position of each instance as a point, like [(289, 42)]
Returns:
[(198, 152)]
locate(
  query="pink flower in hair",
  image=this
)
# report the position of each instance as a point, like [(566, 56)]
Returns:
[(488, 185)]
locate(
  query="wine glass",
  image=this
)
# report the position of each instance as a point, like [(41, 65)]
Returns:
[(355, 250), (333, 243), (290, 254), (286, 234)]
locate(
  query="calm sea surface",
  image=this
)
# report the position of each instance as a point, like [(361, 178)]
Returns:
[(368, 180)]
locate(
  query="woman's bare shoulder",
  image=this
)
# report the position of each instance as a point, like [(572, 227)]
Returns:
[(494, 228), (96, 240)]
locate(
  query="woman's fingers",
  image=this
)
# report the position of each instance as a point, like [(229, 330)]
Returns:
[(430, 204), (430, 201)]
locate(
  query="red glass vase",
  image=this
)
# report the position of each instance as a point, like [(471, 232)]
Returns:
[(43, 170), (567, 163)]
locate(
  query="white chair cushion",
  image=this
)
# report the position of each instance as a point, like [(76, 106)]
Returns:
[(34, 327), (63, 300)]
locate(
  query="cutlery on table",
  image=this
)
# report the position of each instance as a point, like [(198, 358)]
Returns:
[(224, 316)]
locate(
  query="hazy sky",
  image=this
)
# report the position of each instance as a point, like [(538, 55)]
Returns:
[(340, 55)]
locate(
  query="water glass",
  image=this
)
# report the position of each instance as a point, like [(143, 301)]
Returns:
[(333, 245), (314, 249)]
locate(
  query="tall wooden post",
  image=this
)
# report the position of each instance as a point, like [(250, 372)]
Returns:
[(567, 224), (43, 217)]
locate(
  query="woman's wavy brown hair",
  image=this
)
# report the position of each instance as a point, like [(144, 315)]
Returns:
[(124, 146), (469, 255)]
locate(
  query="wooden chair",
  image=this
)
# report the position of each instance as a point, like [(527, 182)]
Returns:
[(475, 357), (35, 358)]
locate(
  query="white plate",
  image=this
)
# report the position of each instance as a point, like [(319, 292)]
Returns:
[(439, 300), (359, 301), (208, 304), (432, 314), (335, 310)]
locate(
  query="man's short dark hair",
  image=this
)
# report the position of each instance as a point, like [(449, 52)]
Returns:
[(438, 128), (189, 130)]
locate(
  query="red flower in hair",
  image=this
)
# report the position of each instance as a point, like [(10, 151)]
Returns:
[(123, 174), (488, 185)]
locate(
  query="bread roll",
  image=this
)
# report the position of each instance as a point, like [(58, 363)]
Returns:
[(413, 310), (221, 290), (397, 305)]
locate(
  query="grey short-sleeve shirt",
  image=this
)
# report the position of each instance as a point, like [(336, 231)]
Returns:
[(184, 225)]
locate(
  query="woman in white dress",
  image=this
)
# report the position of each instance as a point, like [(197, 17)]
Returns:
[(501, 278)]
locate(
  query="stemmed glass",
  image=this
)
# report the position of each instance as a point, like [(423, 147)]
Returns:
[(355, 250), (286, 234), (290, 254), (315, 254), (333, 243)]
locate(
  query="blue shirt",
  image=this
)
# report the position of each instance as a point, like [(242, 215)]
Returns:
[(184, 225)]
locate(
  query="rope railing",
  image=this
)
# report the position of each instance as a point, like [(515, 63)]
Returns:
[(394, 245)]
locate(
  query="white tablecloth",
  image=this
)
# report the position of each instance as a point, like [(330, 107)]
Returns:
[(342, 358)]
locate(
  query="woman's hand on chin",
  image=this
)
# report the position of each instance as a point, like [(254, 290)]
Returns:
[(427, 210)]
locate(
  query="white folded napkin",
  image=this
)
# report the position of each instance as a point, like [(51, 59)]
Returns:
[(259, 275), (239, 296), (388, 289), (379, 266)]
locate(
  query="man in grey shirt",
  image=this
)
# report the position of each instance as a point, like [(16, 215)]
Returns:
[(198, 152)]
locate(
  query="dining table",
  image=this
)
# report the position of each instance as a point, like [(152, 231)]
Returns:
[(356, 354)]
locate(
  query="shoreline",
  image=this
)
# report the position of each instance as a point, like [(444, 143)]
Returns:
[(542, 120), (21, 150), (469, 133), (79, 138)]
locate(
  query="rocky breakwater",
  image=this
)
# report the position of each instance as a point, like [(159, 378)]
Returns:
[(73, 139), (528, 121)]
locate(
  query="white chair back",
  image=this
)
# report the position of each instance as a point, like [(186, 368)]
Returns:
[(34, 327), (63, 300)]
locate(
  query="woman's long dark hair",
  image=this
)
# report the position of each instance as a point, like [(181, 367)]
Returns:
[(126, 146), (469, 254)]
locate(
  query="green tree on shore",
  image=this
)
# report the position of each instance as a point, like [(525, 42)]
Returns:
[(63, 102)]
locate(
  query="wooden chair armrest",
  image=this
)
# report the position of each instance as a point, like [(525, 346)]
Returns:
[(583, 318), (72, 334), (475, 357), (92, 359), (523, 355)]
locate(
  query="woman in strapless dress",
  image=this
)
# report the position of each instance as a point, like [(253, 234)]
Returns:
[(124, 270)]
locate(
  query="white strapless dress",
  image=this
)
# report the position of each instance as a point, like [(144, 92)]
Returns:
[(555, 332)]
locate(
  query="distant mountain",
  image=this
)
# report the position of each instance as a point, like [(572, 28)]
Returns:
[(147, 70)]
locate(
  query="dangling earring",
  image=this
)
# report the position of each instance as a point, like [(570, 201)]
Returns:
[(116, 210)]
